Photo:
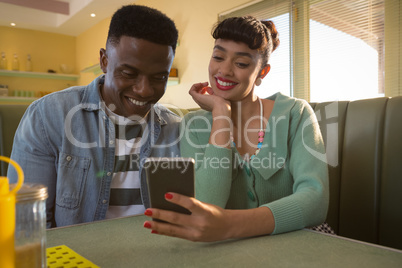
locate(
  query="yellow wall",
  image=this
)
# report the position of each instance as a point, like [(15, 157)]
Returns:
[(194, 20), (48, 51), (88, 45)]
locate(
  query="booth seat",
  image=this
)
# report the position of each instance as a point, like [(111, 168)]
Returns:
[(10, 116), (364, 153)]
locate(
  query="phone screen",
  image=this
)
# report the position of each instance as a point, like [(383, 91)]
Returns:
[(169, 174)]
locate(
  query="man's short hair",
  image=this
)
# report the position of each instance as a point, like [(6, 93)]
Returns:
[(144, 23)]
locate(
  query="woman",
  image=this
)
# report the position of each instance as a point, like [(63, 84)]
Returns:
[(256, 172)]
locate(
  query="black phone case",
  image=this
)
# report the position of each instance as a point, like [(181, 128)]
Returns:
[(169, 175)]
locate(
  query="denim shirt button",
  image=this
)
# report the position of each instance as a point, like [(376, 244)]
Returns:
[(111, 142), (104, 201), (109, 173), (68, 158), (104, 117)]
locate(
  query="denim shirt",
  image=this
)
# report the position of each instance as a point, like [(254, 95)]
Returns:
[(66, 142)]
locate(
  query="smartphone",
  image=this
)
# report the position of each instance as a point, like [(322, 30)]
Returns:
[(169, 174)]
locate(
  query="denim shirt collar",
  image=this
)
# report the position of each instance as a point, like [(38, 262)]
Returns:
[(91, 101)]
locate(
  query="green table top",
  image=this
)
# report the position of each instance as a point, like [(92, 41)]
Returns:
[(125, 243)]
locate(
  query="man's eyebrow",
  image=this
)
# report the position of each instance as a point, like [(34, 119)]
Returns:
[(129, 67), (246, 54), (135, 69)]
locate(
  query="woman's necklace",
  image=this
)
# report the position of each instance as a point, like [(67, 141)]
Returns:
[(261, 134)]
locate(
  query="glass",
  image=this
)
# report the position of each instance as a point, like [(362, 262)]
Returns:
[(30, 228)]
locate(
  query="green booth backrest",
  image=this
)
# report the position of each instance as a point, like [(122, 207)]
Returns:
[(10, 115), (390, 216), (364, 149), (331, 118), (361, 169)]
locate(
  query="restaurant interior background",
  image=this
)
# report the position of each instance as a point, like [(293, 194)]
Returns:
[(330, 50), (320, 44)]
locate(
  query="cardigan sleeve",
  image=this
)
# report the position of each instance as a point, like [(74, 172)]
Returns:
[(213, 164), (308, 204)]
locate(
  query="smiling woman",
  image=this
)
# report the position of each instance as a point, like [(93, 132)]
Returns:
[(237, 60), (255, 174)]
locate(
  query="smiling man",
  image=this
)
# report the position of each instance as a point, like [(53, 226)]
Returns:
[(87, 144)]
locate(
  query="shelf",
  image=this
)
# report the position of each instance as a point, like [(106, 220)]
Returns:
[(16, 100), (92, 69), (97, 70), (73, 77), (173, 81)]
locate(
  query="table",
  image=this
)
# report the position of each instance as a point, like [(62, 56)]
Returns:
[(125, 243)]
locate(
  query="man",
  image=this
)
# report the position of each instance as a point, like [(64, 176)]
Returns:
[(87, 144)]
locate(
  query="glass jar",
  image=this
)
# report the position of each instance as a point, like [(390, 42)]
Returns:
[(16, 63), (3, 61), (3, 90), (30, 226)]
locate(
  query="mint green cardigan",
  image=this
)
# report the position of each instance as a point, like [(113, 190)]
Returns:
[(289, 175)]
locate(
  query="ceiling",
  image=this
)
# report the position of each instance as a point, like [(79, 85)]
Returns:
[(69, 17)]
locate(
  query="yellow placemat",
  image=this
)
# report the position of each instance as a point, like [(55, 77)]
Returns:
[(64, 257)]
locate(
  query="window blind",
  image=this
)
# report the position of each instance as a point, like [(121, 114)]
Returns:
[(393, 49), (332, 49), (346, 49)]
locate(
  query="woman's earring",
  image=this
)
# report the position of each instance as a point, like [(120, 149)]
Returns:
[(258, 81)]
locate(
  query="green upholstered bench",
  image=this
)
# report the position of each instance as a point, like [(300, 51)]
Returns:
[(364, 151), (10, 116)]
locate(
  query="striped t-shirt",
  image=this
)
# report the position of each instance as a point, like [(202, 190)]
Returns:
[(125, 193)]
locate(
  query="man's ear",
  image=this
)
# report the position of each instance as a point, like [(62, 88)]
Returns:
[(103, 60), (265, 71)]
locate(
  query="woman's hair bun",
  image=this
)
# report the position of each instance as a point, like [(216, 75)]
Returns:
[(274, 33)]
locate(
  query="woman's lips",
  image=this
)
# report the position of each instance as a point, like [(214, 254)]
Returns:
[(224, 84)]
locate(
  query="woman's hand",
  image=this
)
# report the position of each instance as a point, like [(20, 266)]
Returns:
[(205, 98), (206, 223)]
